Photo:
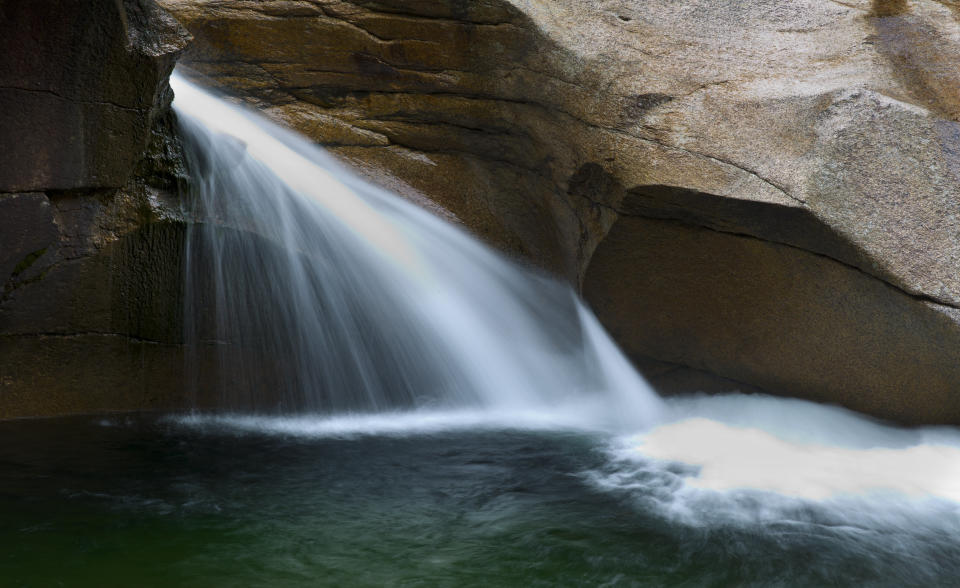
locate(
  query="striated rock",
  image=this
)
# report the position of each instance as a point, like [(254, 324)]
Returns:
[(768, 191), (91, 237)]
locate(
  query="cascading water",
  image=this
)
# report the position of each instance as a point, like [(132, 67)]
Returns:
[(327, 296), (330, 295)]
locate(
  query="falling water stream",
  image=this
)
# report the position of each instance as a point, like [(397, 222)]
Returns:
[(369, 303), (404, 406)]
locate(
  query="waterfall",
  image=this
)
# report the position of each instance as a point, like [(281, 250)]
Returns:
[(326, 296), (322, 293)]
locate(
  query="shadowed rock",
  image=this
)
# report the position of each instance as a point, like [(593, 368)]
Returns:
[(90, 235), (80, 86)]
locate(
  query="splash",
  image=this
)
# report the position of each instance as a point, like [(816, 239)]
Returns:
[(756, 460)]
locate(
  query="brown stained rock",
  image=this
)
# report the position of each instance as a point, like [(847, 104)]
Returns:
[(92, 373), (96, 372)]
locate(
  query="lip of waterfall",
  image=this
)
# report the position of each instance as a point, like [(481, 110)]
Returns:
[(330, 295), (237, 138)]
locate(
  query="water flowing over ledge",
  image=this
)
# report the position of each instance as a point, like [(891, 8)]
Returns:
[(359, 301), (372, 317)]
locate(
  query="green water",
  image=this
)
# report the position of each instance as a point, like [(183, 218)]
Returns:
[(148, 502)]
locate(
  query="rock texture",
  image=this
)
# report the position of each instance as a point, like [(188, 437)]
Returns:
[(90, 237), (768, 191), (80, 88)]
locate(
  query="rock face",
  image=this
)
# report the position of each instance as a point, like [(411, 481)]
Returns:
[(765, 191), (80, 88), (90, 238)]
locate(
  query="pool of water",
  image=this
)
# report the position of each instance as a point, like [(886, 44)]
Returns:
[(157, 501)]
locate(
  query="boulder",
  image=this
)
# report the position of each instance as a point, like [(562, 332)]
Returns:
[(766, 191)]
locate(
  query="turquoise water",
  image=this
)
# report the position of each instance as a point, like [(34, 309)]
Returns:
[(120, 501)]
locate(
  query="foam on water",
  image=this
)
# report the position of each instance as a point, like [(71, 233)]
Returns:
[(730, 458), (787, 465), (585, 417), (732, 445)]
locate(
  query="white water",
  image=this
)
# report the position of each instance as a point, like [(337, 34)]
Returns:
[(405, 423), (333, 296), (791, 466), (382, 319)]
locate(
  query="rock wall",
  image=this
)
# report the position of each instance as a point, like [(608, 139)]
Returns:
[(90, 233), (764, 191), (760, 194)]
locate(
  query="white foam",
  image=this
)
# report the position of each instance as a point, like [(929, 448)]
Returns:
[(579, 417), (759, 459), (733, 458)]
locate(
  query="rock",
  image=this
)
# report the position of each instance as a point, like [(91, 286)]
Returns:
[(81, 84), (777, 318), (767, 190), (26, 231), (91, 236)]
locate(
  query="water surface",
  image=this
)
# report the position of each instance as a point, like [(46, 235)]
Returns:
[(155, 501)]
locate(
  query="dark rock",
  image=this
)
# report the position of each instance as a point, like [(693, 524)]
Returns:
[(26, 231), (80, 86), (91, 238)]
